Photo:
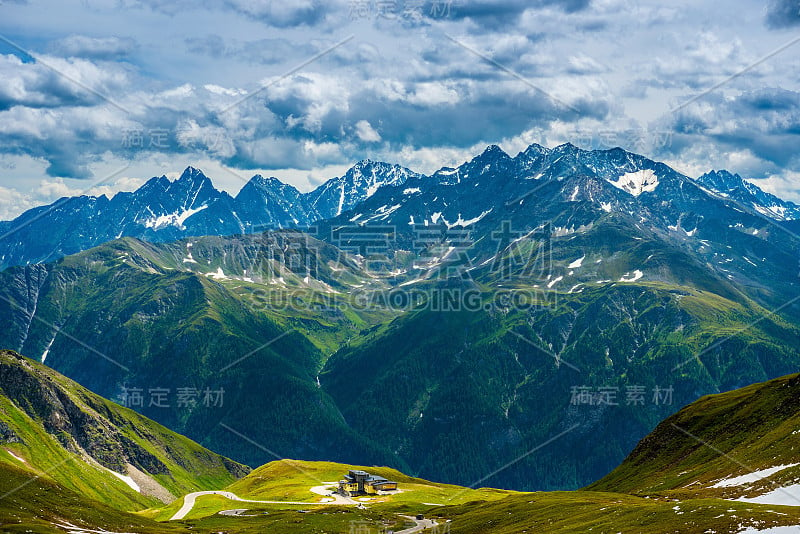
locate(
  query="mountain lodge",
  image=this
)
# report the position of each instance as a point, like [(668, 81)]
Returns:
[(358, 482)]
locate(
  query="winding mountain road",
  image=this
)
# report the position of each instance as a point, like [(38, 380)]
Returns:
[(334, 500), (420, 525)]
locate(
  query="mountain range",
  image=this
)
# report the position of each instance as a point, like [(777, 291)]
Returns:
[(493, 305), (164, 210)]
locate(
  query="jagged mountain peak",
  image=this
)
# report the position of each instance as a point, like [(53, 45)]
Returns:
[(161, 183), (191, 180), (490, 155), (191, 172), (194, 177), (367, 162), (723, 180), (261, 181), (373, 167), (733, 186), (535, 150), (494, 150), (566, 148), (359, 183), (164, 209)]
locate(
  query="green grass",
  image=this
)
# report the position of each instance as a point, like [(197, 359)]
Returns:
[(325, 521), (473, 511), (291, 480), (36, 400), (583, 511), (755, 427), (467, 511), (31, 504)]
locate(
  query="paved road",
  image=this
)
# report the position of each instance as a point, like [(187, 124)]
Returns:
[(420, 525), (190, 499), (325, 491)]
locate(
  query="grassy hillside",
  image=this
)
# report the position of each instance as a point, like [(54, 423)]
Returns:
[(289, 479), (53, 428), (465, 510), (292, 480), (719, 437), (590, 511), (445, 394), (37, 505)]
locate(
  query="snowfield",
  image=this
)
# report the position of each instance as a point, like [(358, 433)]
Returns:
[(636, 183)]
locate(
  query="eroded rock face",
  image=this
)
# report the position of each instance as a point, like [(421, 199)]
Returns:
[(76, 424), (7, 435), (55, 418), (24, 288)]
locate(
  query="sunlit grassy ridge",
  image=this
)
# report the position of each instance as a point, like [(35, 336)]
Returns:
[(585, 511), (59, 430), (292, 480), (718, 436), (35, 504), (472, 511)]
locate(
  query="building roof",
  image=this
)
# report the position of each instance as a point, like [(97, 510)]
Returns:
[(368, 478)]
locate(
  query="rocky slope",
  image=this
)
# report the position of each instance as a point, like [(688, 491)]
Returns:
[(51, 426)]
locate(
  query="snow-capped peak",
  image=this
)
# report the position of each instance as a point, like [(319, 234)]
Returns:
[(736, 188), (191, 173)]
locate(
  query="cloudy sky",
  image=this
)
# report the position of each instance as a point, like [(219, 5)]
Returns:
[(96, 96)]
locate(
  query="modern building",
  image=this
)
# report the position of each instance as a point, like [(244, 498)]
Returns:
[(358, 482)]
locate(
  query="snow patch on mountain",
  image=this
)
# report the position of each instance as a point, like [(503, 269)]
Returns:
[(785, 496), (637, 274), (19, 459), (577, 263), (465, 222), (172, 219), (751, 477), (49, 346), (218, 275), (638, 182), (127, 480)]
